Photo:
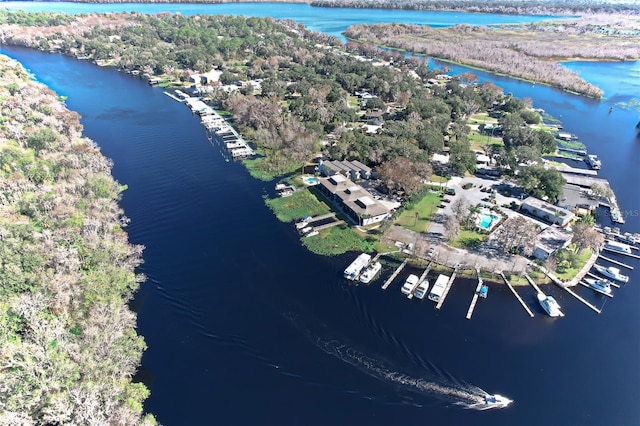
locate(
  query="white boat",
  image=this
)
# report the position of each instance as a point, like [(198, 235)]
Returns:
[(550, 305), (370, 272), (438, 288), (312, 233), (353, 270), (602, 285), (612, 272), (409, 285), (421, 291), (497, 401), (593, 161), (616, 246)]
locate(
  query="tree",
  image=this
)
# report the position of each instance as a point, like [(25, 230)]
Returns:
[(541, 183), (451, 228), (584, 236), (461, 209), (402, 174), (517, 234)]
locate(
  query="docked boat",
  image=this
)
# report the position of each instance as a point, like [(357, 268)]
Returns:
[(550, 305), (484, 291), (612, 272), (616, 246), (353, 270), (409, 285), (370, 272), (593, 161), (602, 285), (421, 291)]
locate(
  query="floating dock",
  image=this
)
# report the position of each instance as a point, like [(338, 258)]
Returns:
[(624, 265), (595, 289), (446, 289), (515, 293), (394, 275), (472, 306)]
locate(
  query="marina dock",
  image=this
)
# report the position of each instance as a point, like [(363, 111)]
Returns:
[(624, 265), (560, 284), (571, 292), (513, 290), (611, 282), (328, 225), (446, 290), (582, 283), (394, 275), (422, 277), (472, 306), (533, 283)]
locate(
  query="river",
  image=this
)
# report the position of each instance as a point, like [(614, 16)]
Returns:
[(245, 327)]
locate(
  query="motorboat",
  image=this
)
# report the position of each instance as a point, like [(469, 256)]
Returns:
[(602, 285), (370, 272), (593, 161), (409, 285), (612, 272), (354, 269), (497, 401), (421, 291), (550, 305), (484, 290)]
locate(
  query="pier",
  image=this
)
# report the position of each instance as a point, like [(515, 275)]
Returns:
[(533, 284), (472, 306), (613, 284), (560, 284), (595, 289), (394, 275), (446, 289), (422, 277), (328, 225), (624, 265), (513, 290)]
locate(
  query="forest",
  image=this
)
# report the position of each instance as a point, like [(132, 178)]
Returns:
[(68, 344), (523, 51)]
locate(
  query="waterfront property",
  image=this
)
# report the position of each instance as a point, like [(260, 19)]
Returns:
[(549, 241), (360, 206), (547, 211)]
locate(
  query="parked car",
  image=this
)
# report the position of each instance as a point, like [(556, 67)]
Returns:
[(432, 252)]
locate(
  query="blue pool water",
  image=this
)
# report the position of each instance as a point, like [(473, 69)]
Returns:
[(310, 180), (486, 220)]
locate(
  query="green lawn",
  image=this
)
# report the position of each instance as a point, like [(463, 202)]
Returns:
[(337, 240), (418, 218), (575, 262), (296, 206), (468, 239)]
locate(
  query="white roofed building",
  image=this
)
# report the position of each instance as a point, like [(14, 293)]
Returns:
[(353, 200)]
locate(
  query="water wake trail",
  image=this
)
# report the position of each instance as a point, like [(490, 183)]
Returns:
[(442, 387)]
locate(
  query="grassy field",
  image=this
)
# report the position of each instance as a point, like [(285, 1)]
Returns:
[(337, 240), (575, 262), (296, 206), (468, 239), (419, 217)]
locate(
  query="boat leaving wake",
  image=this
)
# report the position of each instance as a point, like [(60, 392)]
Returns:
[(464, 395)]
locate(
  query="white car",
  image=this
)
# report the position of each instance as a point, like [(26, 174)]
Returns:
[(432, 252)]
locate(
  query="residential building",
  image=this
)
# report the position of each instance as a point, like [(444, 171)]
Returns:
[(360, 206), (550, 240), (547, 212)]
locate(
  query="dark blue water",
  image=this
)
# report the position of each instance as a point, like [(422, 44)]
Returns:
[(246, 327)]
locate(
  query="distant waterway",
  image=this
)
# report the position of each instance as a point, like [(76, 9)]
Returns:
[(246, 327)]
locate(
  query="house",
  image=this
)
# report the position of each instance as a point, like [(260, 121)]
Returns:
[(365, 172), (354, 172), (549, 241), (547, 212), (360, 206)]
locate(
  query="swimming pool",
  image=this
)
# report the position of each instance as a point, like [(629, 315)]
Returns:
[(487, 220), (310, 180)]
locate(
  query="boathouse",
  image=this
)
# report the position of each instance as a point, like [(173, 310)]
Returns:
[(360, 206)]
